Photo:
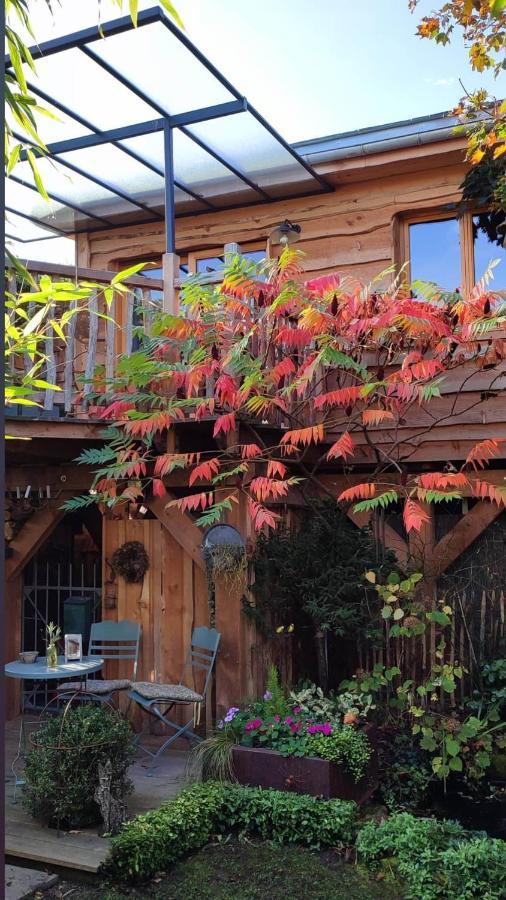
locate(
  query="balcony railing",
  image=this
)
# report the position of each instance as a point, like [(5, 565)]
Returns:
[(91, 341)]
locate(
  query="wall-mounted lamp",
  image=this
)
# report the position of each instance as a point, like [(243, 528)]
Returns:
[(285, 233)]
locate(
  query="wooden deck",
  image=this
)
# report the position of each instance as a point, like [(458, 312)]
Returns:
[(27, 840)]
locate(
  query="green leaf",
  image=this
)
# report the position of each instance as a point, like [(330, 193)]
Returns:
[(126, 273), (448, 684), (455, 764), (428, 743), (452, 746), (386, 612), (398, 614), (169, 8), (36, 175), (133, 5)]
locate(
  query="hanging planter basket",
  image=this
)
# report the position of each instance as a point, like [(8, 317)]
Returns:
[(130, 561), (224, 552)]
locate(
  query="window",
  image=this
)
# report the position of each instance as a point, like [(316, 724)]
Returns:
[(488, 245), (204, 265), (435, 252), (454, 251)]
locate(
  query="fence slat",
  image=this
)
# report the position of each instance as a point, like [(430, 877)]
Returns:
[(110, 331), (68, 371), (92, 346), (50, 362), (129, 324)]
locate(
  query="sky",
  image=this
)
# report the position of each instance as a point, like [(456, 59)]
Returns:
[(310, 67)]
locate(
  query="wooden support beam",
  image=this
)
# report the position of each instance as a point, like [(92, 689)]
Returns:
[(393, 541), (33, 534), (180, 526), (45, 428), (462, 535), (170, 264)]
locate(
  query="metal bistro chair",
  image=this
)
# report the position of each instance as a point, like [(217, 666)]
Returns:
[(158, 699), (109, 640)]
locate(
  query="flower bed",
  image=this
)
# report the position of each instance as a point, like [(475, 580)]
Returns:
[(307, 748)]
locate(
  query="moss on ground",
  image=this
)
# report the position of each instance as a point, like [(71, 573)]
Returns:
[(248, 871)]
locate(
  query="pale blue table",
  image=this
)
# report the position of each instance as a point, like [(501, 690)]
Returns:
[(39, 672)]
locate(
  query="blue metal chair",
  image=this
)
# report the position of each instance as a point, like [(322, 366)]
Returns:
[(109, 640), (158, 699)]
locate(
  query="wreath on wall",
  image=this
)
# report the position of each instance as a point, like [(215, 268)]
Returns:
[(130, 561)]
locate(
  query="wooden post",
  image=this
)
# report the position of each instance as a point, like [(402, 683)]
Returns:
[(231, 250), (170, 264)]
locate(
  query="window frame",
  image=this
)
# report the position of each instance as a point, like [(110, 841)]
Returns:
[(213, 252), (437, 214)]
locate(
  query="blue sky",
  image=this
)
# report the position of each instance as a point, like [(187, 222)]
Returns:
[(312, 67)]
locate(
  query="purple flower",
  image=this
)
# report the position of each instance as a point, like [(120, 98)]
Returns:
[(277, 718), (288, 720), (327, 728), (297, 710), (232, 712), (267, 695)]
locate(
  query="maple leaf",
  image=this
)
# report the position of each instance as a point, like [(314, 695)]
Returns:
[(343, 447), (324, 284), (205, 470), (248, 451), (260, 515), (363, 491), (158, 488), (342, 397), (304, 436), (294, 338), (482, 452), (414, 515), (281, 370), (274, 467), (224, 423), (376, 416)]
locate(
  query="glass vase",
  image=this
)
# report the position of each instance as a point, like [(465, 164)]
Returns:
[(51, 656)]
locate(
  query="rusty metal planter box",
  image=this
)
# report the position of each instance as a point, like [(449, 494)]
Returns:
[(302, 774)]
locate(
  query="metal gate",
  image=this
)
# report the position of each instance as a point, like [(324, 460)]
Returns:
[(46, 586)]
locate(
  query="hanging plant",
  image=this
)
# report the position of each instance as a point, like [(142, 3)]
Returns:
[(227, 562), (130, 561)]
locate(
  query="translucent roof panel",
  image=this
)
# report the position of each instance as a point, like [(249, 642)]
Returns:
[(113, 99), (158, 64)]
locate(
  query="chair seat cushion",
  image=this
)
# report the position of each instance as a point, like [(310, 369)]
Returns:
[(95, 686), (177, 692)]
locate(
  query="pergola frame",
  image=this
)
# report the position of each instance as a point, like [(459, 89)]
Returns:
[(166, 123)]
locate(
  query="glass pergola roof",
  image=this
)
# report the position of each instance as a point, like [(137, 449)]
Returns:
[(145, 129)]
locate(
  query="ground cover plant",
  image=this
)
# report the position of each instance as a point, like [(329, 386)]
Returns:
[(435, 859)]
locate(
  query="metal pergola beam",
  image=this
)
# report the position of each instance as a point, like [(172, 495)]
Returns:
[(165, 114), (142, 128), (37, 222), (85, 174), (58, 199), (158, 170)]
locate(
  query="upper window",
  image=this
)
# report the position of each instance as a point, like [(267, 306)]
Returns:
[(488, 244), (456, 252), (435, 252)]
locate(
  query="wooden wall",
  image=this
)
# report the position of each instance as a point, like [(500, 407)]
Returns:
[(350, 230)]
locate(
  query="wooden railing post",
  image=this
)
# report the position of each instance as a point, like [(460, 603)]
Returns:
[(170, 264), (231, 250)]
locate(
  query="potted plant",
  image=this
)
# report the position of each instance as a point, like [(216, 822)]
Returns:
[(53, 635)]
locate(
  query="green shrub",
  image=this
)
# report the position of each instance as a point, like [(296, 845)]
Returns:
[(437, 860), (61, 771), (346, 746), (288, 818), (153, 841)]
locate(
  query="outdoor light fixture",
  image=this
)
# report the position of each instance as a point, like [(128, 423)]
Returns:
[(285, 233)]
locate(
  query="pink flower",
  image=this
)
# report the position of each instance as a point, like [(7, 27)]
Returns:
[(327, 728), (288, 720), (255, 723), (277, 718), (297, 710)]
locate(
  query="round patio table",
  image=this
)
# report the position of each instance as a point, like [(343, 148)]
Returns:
[(38, 672)]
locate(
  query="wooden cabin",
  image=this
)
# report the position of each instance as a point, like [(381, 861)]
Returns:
[(394, 199)]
